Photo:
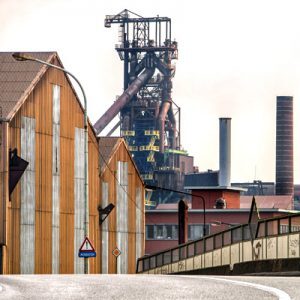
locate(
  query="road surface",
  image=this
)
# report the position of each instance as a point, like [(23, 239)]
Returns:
[(147, 287)]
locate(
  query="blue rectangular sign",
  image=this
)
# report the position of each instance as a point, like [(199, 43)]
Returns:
[(87, 254)]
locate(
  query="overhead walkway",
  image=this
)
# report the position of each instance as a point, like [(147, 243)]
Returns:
[(269, 239)]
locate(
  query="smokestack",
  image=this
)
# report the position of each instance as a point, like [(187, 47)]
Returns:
[(225, 152), (284, 146)]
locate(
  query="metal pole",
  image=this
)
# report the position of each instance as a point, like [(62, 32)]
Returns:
[(23, 57)]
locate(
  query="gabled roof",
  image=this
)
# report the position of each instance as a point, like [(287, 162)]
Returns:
[(17, 80), (268, 201), (108, 147)]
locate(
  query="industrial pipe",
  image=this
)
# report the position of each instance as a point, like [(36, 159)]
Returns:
[(133, 88), (161, 124), (225, 152), (173, 122)]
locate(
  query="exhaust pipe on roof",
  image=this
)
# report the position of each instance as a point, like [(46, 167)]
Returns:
[(225, 152)]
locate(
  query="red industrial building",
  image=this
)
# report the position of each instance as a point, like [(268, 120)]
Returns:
[(162, 222)]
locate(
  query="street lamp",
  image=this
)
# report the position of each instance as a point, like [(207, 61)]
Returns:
[(153, 187), (24, 57)]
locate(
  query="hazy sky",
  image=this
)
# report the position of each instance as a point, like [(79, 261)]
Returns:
[(235, 57)]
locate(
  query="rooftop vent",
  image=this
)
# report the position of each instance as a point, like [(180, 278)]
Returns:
[(220, 203)]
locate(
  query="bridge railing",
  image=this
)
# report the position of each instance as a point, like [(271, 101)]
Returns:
[(265, 227)]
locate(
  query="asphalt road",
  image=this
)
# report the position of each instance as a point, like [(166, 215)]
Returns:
[(147, 287)]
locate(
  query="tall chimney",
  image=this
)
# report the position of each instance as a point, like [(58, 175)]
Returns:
[(284, 146), (225, 152)]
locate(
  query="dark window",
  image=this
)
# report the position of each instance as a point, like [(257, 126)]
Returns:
[(149, 232), (169, 231), (159, 232)]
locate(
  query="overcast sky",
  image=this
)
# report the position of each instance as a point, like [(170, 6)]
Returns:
[(235, 57)]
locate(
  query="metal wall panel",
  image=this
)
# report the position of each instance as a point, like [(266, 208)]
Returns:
[(27, 238), (122, 217), (3, 179), (55, 178), (79, 199), (138, 223), (105, 230)]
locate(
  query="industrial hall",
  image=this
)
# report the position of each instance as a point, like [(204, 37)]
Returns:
[(65, 193)]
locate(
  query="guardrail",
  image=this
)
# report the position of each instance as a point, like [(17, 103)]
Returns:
[(264, 228)]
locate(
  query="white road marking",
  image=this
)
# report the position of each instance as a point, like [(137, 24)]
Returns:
[(279, 293)]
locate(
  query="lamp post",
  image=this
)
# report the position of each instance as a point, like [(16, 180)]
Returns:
[(153, 187), (24, 57)]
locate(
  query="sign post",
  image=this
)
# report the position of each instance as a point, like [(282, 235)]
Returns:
[(116, 253)]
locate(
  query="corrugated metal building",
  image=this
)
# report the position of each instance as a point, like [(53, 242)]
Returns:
[(41, 216), (123, 187)]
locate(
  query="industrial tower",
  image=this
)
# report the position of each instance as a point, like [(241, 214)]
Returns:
[(149, 118)]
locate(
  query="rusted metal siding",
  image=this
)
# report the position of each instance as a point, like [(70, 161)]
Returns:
[(3, 181), (55, 177), (49, 181), (27, 238), (122, 220)]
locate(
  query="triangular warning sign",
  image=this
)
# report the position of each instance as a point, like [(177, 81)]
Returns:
[(86, 246), (254, 217)]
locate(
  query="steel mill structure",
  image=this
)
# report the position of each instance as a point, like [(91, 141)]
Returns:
[(149, 118)]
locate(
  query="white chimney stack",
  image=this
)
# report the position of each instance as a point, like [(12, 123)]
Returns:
[(225, 152)]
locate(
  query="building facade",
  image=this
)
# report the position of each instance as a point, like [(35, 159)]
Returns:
[(122, 186), (42, 213), (162, 222)]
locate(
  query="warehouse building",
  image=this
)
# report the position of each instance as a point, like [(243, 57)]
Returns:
[(42, 176)]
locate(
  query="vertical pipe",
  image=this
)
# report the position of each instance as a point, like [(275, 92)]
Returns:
[(166, 31), (159, 34), (225, 151), (126, 58), (182, 222), (148, 32), (156, 34), (284, 146), (161, 122)]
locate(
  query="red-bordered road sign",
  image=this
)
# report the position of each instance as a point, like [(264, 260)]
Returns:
[(87, 249)]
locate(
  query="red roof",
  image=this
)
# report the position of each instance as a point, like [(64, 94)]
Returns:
[(171, 206), (272, 201)]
